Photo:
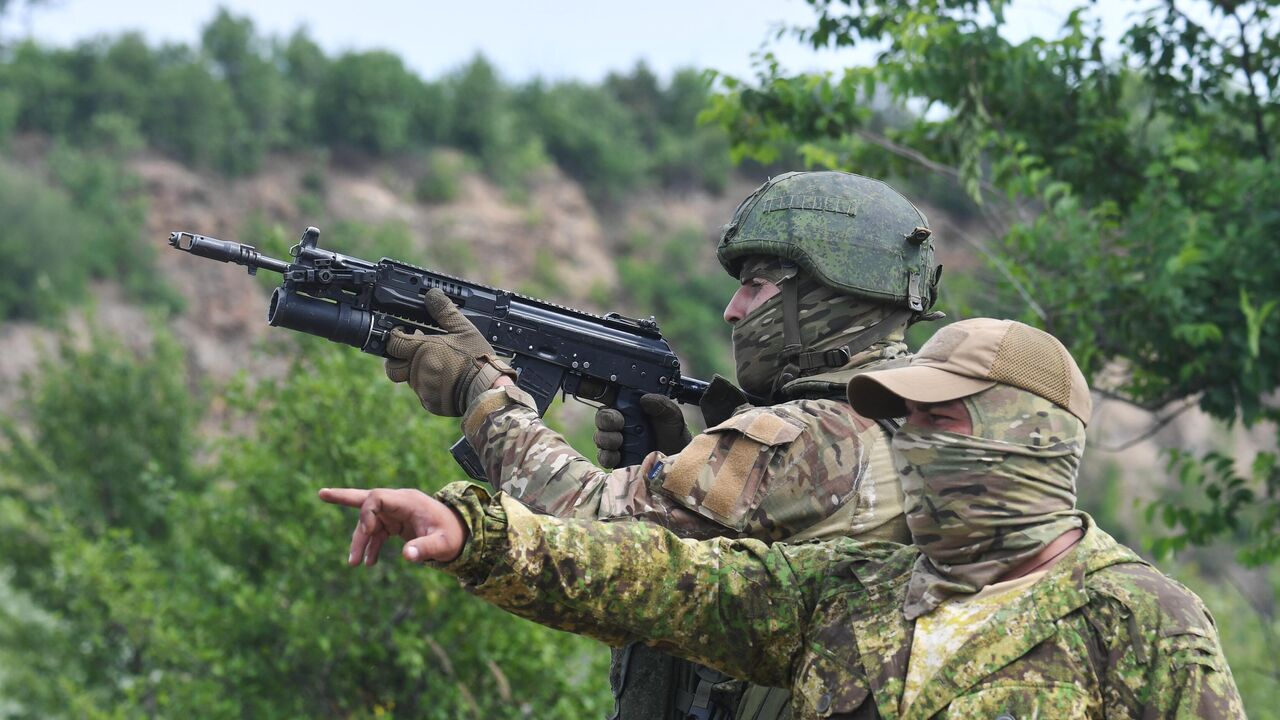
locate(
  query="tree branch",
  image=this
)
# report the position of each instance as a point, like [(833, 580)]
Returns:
[(1156, 427), (1246, 60), (918, 157), (1021, 289)]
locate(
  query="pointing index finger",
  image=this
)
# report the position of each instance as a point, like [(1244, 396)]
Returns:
[(349, 497)]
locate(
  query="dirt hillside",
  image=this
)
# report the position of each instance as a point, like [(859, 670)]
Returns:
[(224, 326)]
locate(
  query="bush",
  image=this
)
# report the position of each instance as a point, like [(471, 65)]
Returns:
[(673, 281), (441, 180), (245, 607), (56, 239), (109, 200), (42, 241)]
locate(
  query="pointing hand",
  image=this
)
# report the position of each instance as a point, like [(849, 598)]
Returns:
[(430, 529)]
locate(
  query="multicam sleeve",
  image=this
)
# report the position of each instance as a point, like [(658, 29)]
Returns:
[(536, 465), (739, 606), (795, 471)]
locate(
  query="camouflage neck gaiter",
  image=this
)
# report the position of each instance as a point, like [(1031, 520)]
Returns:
[(828, 320), (757, 348), (978, 505)]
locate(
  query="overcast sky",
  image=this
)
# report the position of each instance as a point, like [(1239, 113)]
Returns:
[(555, 39), (552, 39)]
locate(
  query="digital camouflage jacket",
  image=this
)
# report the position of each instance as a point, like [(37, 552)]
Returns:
[(1103, 634)]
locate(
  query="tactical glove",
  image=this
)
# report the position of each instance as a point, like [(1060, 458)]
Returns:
[(446, 371), (670, 433)]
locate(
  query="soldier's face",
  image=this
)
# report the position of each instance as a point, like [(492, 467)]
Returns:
[(950, 416), (752, 293)]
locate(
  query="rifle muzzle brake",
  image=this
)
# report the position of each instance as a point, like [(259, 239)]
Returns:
[(226, 251)]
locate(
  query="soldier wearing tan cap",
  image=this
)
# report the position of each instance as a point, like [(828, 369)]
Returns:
[(988, 460), (1010, 604)]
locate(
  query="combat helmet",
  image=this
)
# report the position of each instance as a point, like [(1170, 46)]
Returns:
[(851, 233)]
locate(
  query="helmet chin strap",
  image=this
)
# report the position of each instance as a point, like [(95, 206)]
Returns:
[(793, 346), (798, 362)]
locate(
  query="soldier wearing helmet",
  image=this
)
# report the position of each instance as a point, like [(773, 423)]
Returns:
[(1010, 603), (834, 267)]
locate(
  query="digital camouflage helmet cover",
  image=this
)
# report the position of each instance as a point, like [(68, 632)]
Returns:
[(851, 233)]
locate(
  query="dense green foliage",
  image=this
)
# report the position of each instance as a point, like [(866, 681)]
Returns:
[(238, 96), (140, 584), (153, 572), (1135, 193), (82, 223), (678, 282)]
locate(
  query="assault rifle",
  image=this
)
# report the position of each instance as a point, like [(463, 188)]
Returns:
[(606, 359)]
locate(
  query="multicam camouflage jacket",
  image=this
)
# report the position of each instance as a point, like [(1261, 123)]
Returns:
[(802, 469), (1103, 634)]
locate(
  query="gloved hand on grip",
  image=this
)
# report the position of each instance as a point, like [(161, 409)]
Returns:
[(446, 371), (670, 433)]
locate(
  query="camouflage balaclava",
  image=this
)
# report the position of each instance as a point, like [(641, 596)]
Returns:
[(828, 320), (978, 505)]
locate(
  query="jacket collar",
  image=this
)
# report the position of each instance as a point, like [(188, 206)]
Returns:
[(833, 384), (723, 399), (1008, 635)]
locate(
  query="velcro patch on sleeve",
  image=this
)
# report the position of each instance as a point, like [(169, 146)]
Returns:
[(680, 478), (492, 401), (719, 474), (764, 427)]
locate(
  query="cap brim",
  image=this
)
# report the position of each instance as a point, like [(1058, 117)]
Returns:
[(881, 394)]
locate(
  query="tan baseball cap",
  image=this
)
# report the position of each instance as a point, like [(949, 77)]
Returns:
[(970, 356)]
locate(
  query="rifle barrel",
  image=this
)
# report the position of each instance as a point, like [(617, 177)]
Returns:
[(226, 251)]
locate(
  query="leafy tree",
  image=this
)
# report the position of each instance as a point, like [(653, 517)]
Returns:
[(241, 60), (688, 153), (484, 123), (361, 102), (641, 91), (432, 115), (304, 65), (588, 134), (1130, 193), (238, 96), (43, 86), (40, 278), (221, 591), (481, 119), (112, 77), (198, 119), (684, 153), (677, 281)]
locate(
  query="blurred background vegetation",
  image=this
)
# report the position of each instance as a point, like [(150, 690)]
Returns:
[(165, 554)]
